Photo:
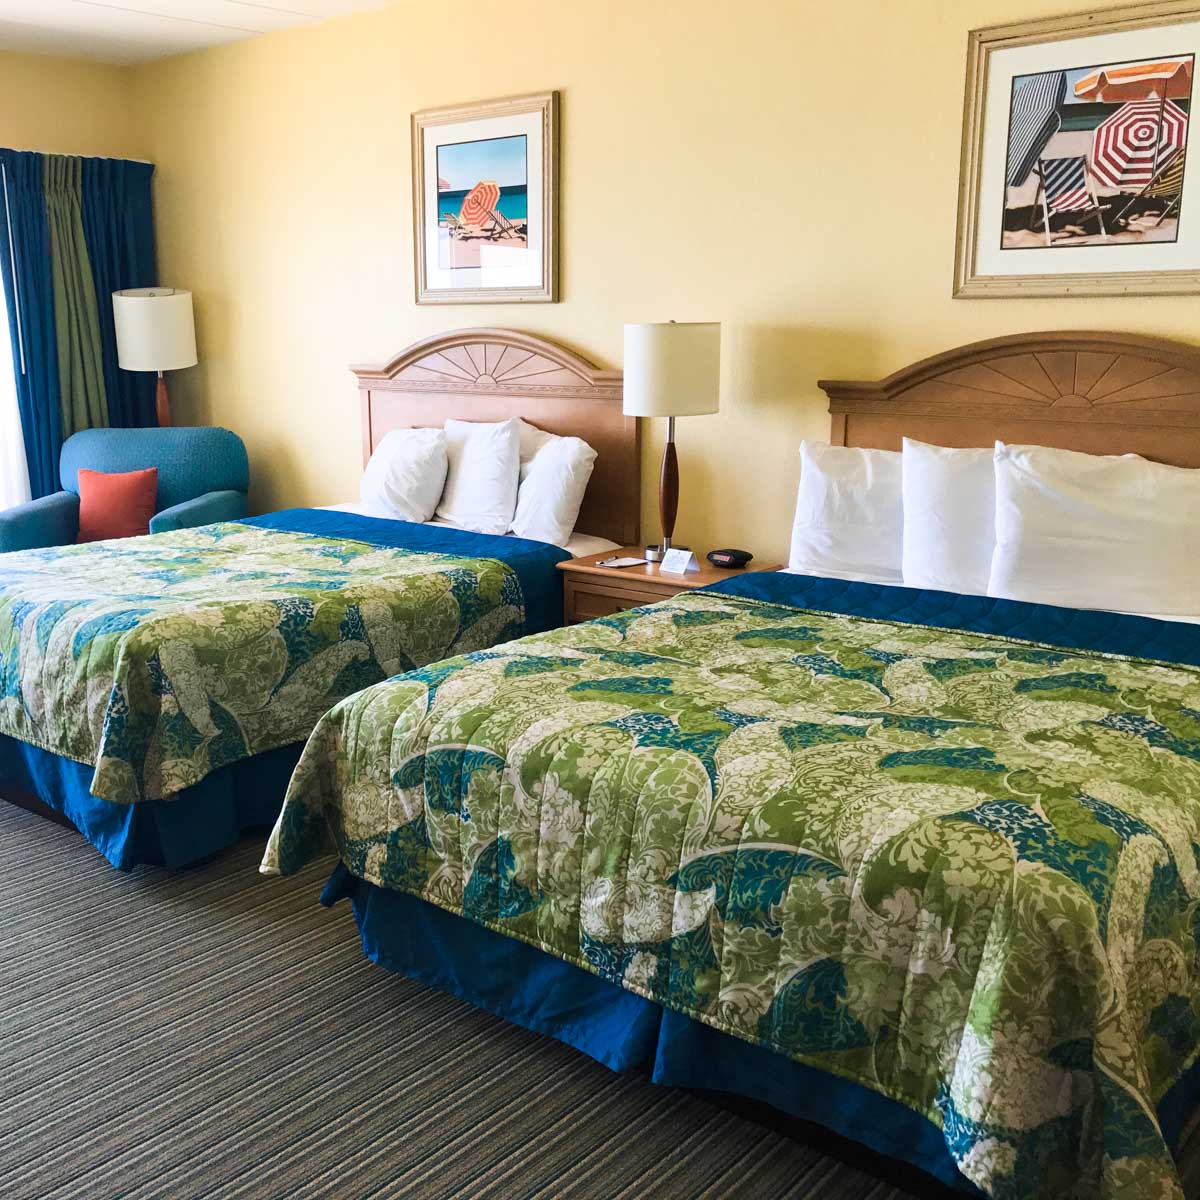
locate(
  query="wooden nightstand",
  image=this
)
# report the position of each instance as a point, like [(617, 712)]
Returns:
[(590, 591)]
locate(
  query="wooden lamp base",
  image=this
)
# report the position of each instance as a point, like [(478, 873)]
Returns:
[(162, 402), (668, 496)]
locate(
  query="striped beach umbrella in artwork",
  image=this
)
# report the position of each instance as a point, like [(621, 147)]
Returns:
[(480, 202), (1171, 77), (1138, 138), (1033, 121)]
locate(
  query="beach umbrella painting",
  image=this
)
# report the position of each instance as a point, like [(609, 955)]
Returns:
[(480, 202), (1033, 121), (1129, 147), (1169, 79)]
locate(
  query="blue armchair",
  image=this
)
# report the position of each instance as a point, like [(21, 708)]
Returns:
[(203, 476)]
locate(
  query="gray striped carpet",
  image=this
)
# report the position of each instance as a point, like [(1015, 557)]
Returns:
[(219, 1034)]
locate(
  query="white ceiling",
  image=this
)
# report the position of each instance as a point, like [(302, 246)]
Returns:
[(128, 31)]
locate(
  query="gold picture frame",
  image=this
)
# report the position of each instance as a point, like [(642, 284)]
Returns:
[(485, 201), (979, 152)]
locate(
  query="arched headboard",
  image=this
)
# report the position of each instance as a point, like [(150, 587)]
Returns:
[(494, 374), (1103, 393)]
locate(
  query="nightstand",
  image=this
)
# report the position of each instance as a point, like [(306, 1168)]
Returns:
[(590, 591)]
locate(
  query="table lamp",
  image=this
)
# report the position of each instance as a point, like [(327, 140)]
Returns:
[(155, 332), (671, 370)]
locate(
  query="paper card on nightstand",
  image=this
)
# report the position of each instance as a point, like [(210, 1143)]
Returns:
[(678, 562), (620, 562)]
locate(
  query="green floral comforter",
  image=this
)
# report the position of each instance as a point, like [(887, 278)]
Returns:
[(159, 659), (957, 868)]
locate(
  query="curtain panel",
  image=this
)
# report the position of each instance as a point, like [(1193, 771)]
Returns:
[(118, 224), (29, 296), (76, 306), (74, 231)]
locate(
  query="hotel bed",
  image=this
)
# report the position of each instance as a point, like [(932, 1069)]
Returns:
[(918, 866), (156, 691)]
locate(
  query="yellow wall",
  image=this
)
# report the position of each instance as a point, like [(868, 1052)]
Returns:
[(787, 167), (68, 106)]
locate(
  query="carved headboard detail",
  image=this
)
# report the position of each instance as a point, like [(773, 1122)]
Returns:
[(1103, 393), (493, 374)]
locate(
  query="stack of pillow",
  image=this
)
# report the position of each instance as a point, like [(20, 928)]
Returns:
[(1018, 522), (498, 478)]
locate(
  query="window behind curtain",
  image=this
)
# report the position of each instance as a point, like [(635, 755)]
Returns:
[(14, 475)]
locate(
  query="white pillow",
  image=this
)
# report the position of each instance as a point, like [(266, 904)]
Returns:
[(949, 518), (481, 482), (532, 439), (405, 475), (849, 514), (553, 483), (1084, 531)]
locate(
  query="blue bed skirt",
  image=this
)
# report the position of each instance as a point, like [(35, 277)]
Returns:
[(623, 1031), (194, 825)]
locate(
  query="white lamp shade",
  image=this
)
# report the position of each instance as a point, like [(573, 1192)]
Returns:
[(155, 329), (672, 370)]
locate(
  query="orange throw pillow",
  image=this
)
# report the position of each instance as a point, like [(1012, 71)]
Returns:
[(116, 505)]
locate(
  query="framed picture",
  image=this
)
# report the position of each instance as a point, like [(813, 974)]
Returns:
[(485, 201), (1075, 178)]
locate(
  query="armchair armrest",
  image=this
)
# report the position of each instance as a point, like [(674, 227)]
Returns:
[(203, 510), (51, 521)]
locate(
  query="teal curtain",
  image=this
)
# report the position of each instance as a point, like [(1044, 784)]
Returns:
[(29, 295), (72, 232), (118, 221), (82, 390)]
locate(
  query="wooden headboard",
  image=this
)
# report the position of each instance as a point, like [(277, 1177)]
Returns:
[(494, 374), (1103, 393)]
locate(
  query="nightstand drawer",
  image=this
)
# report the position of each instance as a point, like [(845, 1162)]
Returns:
[(586, 600)]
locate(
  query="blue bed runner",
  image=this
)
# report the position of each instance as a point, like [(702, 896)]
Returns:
[(535, 563), (1077, 629)]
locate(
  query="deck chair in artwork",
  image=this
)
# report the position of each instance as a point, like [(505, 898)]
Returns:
[(504, 227), (1168, 185), (1065, 186)]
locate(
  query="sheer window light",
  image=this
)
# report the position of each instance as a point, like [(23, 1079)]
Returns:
[(14, 474)]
